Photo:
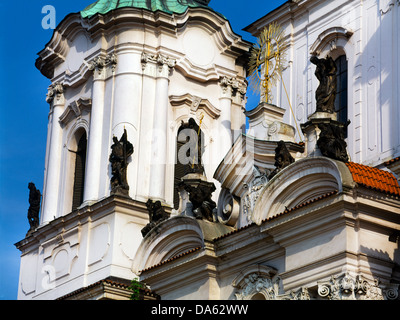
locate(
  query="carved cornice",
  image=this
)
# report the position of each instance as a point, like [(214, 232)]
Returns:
[(55, 92)]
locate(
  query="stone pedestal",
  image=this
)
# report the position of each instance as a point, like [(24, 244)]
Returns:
[(312, 131), (200, 192), (266, 123)]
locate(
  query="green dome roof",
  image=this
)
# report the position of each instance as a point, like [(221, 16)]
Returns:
[(168, 6)]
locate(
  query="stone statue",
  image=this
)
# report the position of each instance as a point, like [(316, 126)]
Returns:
[(326, 92), (194, 139), (283, 158), (331, 141), (157, 215), (34, 208), (200, 197), (120, 152)]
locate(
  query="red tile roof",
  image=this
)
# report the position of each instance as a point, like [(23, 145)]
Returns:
[(374, 178)]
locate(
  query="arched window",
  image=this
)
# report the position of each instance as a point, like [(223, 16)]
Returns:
[(341, 105), (79, 175), (189, 148)]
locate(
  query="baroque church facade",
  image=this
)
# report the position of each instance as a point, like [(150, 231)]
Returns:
[(152, 173)]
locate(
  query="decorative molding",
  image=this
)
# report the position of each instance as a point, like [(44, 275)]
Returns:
[(257, 279), (75, 110), (55, 91), (228, 208), (386, 6), (300, 294), (348, 287), (329, 37), (254, 189), (195, 103)]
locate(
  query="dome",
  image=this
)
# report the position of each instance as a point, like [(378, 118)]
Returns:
[(167, 6)]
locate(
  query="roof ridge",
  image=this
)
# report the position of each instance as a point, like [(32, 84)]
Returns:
[(301, 205), (173, 258)]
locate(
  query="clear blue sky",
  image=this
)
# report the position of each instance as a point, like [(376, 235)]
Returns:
[(24, 111)]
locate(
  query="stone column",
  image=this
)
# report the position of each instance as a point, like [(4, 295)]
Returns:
[(127, 105), (225, 105), (159, 142), (55, 98), (95, 134)]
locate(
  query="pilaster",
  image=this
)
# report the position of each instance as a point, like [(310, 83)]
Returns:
[(159, 66), (101, 67), (56, 99), (230, 87)]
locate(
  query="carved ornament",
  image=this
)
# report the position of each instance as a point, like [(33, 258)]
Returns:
[(348, 287), (257, 279), (159, 59), (99, 63), (55, 91), (233, 85)]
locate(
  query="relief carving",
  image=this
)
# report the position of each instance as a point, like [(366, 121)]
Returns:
[(348, 287)]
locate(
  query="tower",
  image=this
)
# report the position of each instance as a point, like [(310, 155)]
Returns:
[(138, 71)]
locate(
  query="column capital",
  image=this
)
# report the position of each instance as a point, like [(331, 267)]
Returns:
[(164, 60), (99, 64), (230, 86), (165, 64), (55, 93)]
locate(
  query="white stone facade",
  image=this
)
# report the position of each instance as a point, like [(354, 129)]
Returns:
[(140, 71), (311, 231)]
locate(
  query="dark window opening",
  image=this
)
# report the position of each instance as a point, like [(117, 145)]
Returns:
[(188, 138), (79, 177), (341, 101)]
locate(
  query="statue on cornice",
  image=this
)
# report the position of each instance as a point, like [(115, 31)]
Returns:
[(200, 196), (121, 150), (283, 158), (332, 142), (326, 92), (34, 208), (157, 215)]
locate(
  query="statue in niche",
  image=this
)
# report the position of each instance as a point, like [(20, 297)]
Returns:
[(34, 207), (331, 141), (326, 92), (157, 215), (195, 143), (283, 158), (120, 152)]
